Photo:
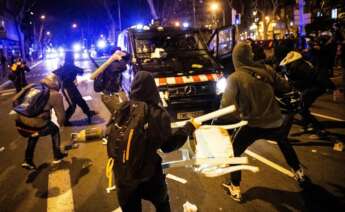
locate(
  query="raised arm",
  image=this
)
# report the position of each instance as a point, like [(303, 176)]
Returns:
[(116, 56)]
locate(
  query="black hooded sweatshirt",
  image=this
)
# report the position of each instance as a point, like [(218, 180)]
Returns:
[(159, 130)]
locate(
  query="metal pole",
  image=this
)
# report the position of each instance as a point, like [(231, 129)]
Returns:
[(119, 14), (194, 14), (223, 13)]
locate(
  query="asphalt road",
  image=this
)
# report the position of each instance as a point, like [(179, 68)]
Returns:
[(79, 183)]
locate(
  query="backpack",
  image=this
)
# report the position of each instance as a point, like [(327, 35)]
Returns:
[(31, 101), (128, 142)]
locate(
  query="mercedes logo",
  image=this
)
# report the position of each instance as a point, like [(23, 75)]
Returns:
[(188, 89)]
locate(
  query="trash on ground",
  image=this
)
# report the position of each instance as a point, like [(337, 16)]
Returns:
[(189, 207)]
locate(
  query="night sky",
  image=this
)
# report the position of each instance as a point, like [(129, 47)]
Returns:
[(88, 14)]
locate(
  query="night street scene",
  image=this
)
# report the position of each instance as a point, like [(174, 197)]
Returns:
[(172, 105)]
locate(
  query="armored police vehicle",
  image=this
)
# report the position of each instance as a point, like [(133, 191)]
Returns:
[(189, 79)]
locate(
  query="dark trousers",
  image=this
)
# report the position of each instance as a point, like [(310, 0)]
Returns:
[(50, 129), (309, 96), (74, 98), (246, 136), (154, 190)]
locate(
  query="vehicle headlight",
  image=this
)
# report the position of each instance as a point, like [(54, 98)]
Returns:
[(221, 85)]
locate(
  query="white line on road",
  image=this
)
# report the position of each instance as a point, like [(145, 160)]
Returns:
[(36, 64), (60, 196), (117, 210), (269, 163), (176, 178), (8, 93), (87, 98), (327, 117)]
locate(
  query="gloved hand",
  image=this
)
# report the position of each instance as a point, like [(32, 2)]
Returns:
[(195, 123)]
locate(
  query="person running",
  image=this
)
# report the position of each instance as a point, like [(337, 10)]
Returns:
[(42, 125), (68, 74), (251, 89)]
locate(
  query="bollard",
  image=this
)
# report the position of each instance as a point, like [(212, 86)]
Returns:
[(88, 135)]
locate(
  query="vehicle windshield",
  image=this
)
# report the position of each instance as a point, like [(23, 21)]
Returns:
[(176, 52)]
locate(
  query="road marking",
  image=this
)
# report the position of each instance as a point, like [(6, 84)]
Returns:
[(176, 178), (269, 163), (8, 93), (36, 64), (117, 210), (327, 117), (87, 98), (59, 181)]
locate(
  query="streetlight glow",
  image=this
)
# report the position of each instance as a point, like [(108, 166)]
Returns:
[(43, 17), (48, 33), (214, 6), (177, 24), (74, 25), (267, 18)]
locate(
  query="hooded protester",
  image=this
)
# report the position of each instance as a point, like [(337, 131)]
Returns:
[(251, 88), (311, 83), (68, 74), (18, 74), (42, 124), (152, 187)]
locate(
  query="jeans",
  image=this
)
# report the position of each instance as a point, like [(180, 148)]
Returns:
[(50, 129), (246, 136), (153, 190)]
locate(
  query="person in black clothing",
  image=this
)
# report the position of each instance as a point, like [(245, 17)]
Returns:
[(160, 135), (108, 79), (311, 83), (251, 88), (68, 74), (17, 75)]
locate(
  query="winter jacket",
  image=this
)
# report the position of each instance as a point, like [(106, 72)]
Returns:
[(302, 74), (68, 74), (55, 102), (110, 80), (17, 74), (254, 98), (160, 133)]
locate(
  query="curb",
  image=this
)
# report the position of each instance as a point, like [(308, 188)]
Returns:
[(4, 85)]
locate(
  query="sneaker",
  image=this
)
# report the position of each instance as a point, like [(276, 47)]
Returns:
[(233, 191), (60, 158), (104, 141), (300, 177), (28, 165)]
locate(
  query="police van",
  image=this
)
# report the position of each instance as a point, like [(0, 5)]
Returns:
[(183, 64)]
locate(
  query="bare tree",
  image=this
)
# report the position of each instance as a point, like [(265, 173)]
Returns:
[(17, 9)]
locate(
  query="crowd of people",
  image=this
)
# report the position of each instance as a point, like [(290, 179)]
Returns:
[(252, 88)]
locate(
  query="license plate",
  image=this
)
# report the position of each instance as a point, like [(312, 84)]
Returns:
[(188, 115)]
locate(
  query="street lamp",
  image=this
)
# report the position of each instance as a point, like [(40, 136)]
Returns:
[(214, 7), (43, 17), (74, 25), (48, 33)]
